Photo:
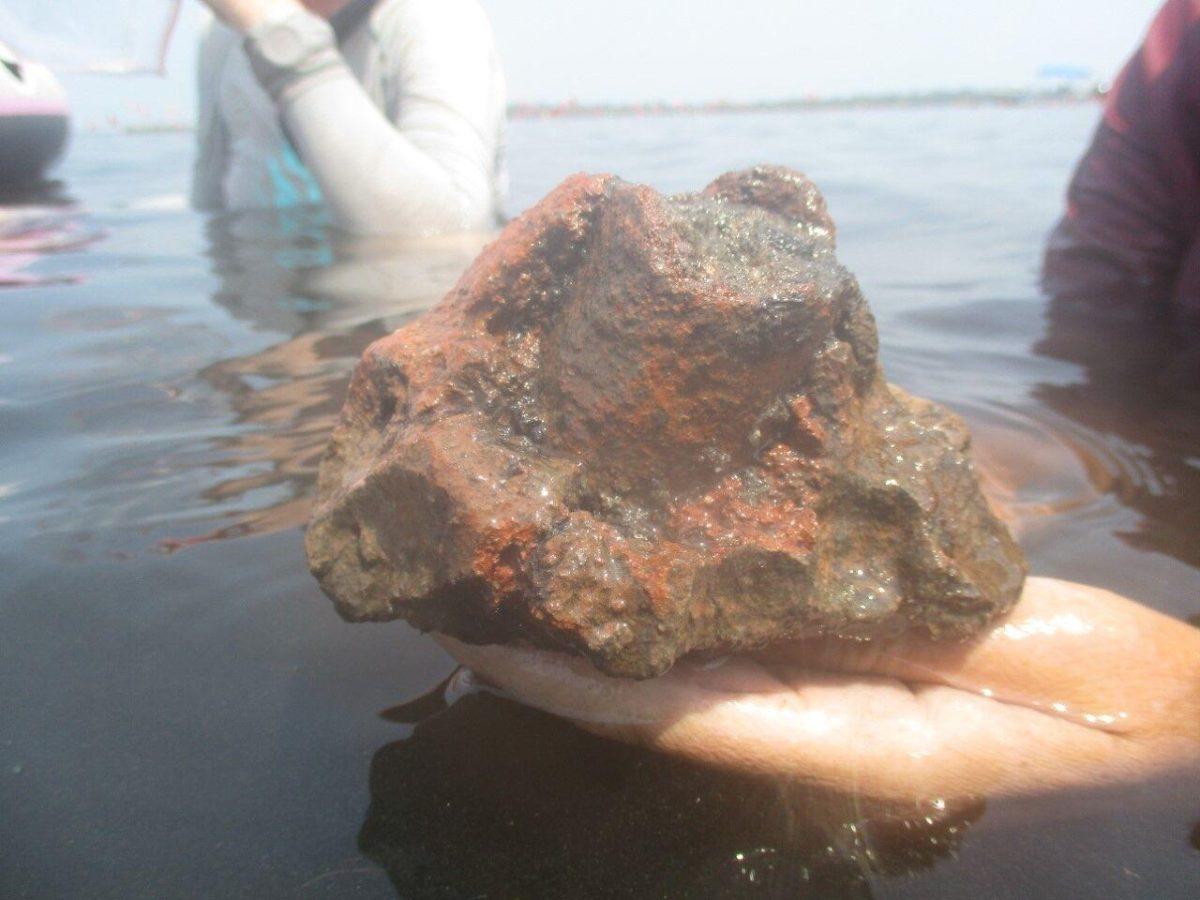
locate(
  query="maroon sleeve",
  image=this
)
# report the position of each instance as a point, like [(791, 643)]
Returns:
[(1133, 206)]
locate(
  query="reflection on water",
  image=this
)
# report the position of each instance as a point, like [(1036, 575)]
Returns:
[(36, 220), (489, 799), (1140, 392), (289, 273)]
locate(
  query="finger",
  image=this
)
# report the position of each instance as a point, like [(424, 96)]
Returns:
[(574, 689), (869, 735), (1068, 650)]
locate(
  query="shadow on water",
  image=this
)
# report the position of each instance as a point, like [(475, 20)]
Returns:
[(489, 799), (47, 193)]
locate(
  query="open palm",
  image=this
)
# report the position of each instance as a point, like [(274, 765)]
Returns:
[(1075, 686)]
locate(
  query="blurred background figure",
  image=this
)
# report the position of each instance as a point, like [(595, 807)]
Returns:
[(390, 112), (1130, 233), (1122, 271)]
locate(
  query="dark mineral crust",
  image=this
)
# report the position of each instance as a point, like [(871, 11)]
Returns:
[(645, 426)]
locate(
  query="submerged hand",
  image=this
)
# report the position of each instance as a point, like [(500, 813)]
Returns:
[(1076, 686)]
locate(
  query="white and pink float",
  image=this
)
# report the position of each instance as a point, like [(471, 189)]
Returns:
[(34, 119)]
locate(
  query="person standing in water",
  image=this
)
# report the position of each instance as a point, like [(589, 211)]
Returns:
[(1130, 239), (389, 112)]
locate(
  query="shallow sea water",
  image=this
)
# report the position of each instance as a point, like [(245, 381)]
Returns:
[(183, 714)]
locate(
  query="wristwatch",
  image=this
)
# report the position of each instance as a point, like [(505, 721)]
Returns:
[(287, 49)]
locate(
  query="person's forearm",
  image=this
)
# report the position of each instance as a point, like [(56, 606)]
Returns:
[(374, 178)]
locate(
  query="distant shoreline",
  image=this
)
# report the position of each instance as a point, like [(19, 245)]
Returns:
[(572, 109), (932, 99)]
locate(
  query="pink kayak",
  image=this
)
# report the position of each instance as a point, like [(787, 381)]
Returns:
[(34, 119)]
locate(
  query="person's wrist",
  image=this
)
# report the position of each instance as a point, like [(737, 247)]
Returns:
[(291, 48)]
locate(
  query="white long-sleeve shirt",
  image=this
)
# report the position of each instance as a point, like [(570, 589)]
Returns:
[(403, 134)]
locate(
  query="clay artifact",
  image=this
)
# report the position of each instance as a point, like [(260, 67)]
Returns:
[(641, 427)]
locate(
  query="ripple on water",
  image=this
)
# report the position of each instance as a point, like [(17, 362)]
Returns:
[(1038, 466)]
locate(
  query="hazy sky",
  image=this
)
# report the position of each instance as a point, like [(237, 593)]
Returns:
[(751, 49), (628, 50)]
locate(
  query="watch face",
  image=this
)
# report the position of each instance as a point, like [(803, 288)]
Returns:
[(286, 43)]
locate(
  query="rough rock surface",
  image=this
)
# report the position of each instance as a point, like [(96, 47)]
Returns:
[(642, 426)]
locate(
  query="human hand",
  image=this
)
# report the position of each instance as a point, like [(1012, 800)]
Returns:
[(243, 15), (1076, 686)]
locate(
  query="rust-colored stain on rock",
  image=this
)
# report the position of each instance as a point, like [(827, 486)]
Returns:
[(645, 426)]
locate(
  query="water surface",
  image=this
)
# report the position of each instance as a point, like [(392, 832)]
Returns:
[(183, 714)]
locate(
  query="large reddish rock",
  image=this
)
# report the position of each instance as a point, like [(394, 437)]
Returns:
[(643, 426)]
